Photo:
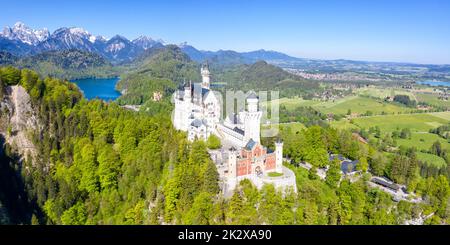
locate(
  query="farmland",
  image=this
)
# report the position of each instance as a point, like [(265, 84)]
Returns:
[(291, 103), (356, 104), (431, 159), (432, 99), (423, 141), (420, 122), (382, 92), (360, 105), (367, 109)]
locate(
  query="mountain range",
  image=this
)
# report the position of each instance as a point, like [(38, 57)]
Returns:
[(233, 57), (21, 40)]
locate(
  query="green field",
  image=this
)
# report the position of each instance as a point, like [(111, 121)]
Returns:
[(431, 159), (274, 174), (292, 103), (343, 124), (432, 99), (423, 141), (418, 123), (356, 104), (444, 115), (421, 122), (382, 92), (360, 105), (295, 126)]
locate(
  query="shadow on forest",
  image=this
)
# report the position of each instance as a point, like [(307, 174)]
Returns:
[(13, 195)]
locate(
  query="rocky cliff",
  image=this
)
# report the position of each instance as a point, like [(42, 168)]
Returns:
[(18, 119)]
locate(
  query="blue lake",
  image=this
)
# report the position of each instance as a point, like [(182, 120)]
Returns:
[(102, 88), (435, 83)]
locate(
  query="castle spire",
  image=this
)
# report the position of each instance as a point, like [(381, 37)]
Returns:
[(206, 75)]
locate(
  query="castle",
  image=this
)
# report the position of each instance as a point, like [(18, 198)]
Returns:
[(198, 112)]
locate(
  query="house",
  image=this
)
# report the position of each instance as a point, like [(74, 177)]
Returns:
[(347, 166), (387, 184)]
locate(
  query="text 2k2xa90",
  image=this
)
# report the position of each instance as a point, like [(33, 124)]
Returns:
[(246, 234)]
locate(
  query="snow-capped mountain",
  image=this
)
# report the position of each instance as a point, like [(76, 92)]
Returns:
[(146, 42), (22, 40), (68, 38), (21, 32), (120, 49), (94, 39), (116, 43), (15, 47)]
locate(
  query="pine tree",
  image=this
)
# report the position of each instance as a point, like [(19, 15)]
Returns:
[(201, 211), (210, 178), (213, 142), (333, 174), (312, 174), (234, 210)]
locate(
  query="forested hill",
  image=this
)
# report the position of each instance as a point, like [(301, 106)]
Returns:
[(159, 69), (67, 64), (97, 163), (7, 58), (169, 62), (264, 76)]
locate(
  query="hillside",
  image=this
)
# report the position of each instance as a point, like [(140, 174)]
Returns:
[(67, 64), (264, 76), (7, 58), (68, 59), (161, 69)]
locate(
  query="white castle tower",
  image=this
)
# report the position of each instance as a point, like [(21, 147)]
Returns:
[(232, 171), (206, 76), (279, 156), (252, 119)]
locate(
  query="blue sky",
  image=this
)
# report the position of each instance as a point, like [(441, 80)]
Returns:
[(378, 30)]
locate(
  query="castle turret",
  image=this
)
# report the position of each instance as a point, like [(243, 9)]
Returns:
[(232, 170), (232, 161), (252, 119), (206, 76), (279, 156), (188, 91)]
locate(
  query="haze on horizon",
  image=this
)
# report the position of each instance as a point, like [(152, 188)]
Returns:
[(397, 31)]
